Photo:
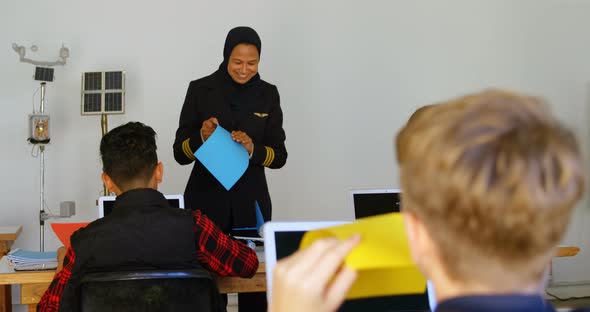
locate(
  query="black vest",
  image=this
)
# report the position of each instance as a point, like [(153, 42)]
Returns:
[(142, 232)]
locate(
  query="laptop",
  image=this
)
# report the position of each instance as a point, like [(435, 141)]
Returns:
[(105, 203), (281, 239), (371, 202)]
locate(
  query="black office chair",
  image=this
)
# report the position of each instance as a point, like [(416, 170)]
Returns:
[(162, 290)]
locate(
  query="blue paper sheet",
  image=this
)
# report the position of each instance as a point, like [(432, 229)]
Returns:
[(226, 159), (259, 221)]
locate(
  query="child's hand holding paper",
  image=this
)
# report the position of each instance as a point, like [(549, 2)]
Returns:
[(314, 280), (382, 259)]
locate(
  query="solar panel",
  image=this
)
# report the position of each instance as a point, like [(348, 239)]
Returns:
[(103, 93), (44, 74), (92, 103), (92, 81), (114, 80), (113, 102)]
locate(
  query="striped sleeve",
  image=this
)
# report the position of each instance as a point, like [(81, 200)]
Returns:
[(270, 152), (270, 156), (219, 253), (186, 149), (188, 135), (52, 296)]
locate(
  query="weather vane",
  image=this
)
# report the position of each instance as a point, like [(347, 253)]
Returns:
[(39, 125)]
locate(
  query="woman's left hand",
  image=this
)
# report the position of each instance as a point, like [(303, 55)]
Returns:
[(244, 139)]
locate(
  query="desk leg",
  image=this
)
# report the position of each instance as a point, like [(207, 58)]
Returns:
[(5, 298), (5, 290)]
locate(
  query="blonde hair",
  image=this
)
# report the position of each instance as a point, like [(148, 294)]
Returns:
[(494, 179)]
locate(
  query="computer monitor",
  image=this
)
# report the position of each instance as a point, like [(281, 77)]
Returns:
[(105, 203), (281, 239), (371, 202)]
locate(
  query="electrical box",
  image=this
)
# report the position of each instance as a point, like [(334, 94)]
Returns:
[(67, 209)]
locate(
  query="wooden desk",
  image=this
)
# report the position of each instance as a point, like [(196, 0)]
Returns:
[(567, 251), (34, 284), (8, 234), (257, 283)]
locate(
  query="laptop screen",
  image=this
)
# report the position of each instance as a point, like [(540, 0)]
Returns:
[(369, 203), (287, 242), (105, 203)]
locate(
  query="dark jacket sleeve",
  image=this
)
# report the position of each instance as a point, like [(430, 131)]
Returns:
[(272, 152), (188, 134)]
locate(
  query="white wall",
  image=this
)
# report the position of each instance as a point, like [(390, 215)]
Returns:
[(349, 74)]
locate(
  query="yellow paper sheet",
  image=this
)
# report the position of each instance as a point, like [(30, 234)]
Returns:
[(382, 258)]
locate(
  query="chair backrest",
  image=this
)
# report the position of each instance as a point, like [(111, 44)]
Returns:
[(153, 290)]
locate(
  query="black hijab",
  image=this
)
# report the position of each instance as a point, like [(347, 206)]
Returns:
[(236, 36), (241, 97)]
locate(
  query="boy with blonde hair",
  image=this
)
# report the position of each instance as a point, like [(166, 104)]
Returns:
[(489, 183)]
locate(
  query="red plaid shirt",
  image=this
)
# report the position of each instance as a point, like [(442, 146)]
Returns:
[(216, 251)]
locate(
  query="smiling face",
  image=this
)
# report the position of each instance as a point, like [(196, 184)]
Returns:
[(243, 63)]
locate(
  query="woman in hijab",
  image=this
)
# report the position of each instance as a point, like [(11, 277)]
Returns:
[(235, 98)]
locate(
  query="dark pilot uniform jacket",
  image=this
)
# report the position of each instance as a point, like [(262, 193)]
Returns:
[(262, 121)]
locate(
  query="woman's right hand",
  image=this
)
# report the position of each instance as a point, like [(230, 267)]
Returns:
[(208, 127)]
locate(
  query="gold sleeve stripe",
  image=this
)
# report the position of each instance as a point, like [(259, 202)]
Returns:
[(266, 158), (270, 156), (187, 150), (184, 149), (264, 163)]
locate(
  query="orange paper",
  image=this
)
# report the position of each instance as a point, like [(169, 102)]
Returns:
[(65, 230)]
